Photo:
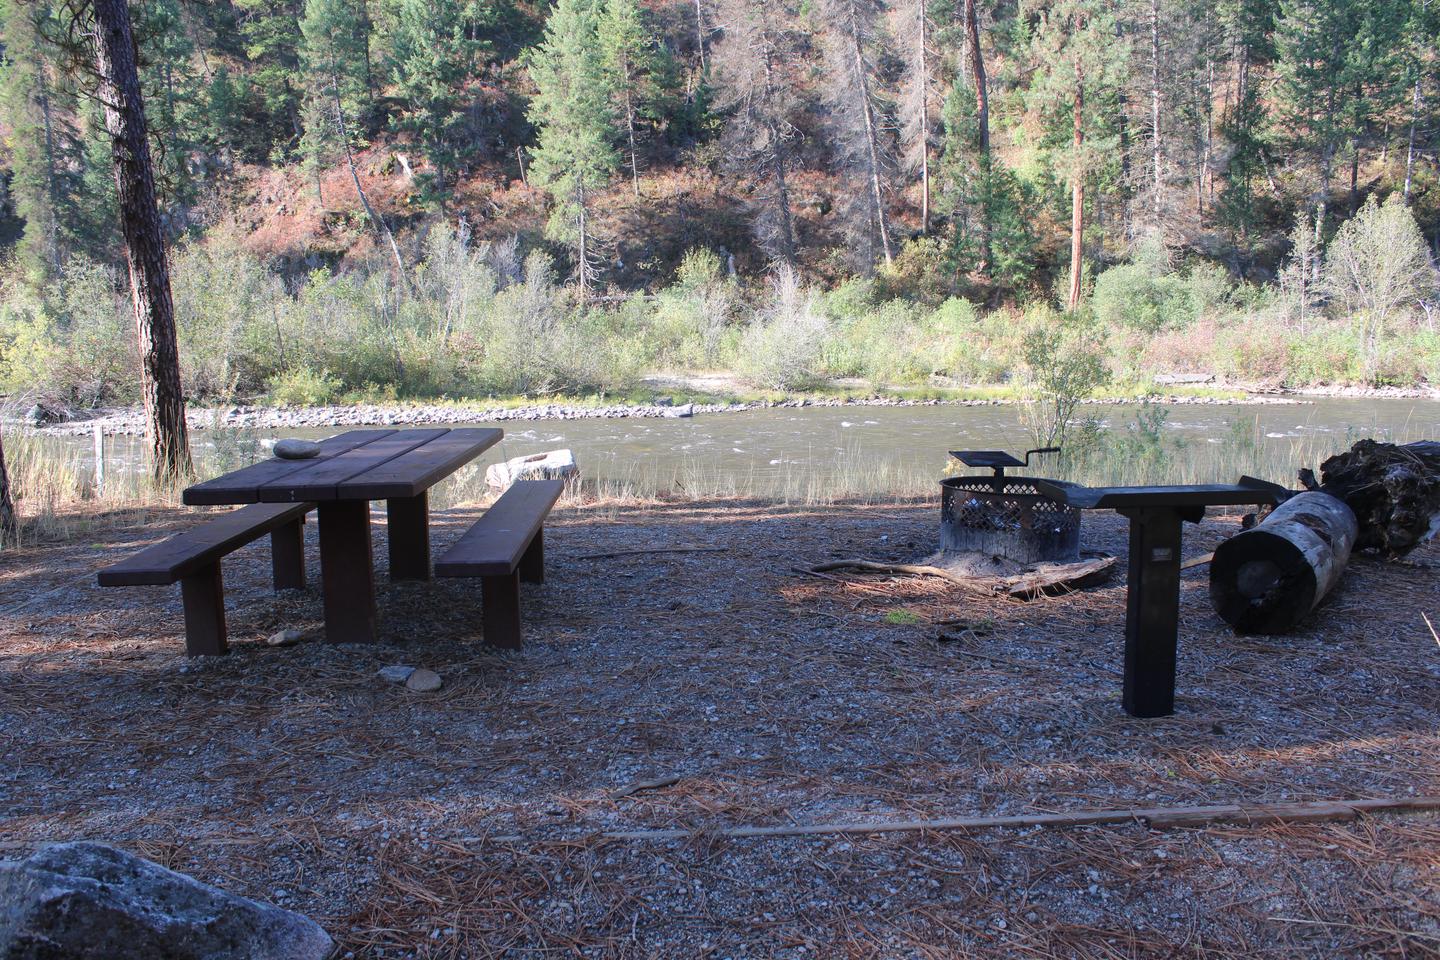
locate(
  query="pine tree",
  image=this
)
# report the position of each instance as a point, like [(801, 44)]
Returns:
[(333, 57), (631, 63), (988, 227), (1244, 125), (1079, 64), (1340, 71), (173, 97), (437, 47), (271, 33), (573, 155), (41, 138)]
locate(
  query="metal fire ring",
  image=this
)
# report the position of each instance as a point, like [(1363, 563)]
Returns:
[(1005, 516)]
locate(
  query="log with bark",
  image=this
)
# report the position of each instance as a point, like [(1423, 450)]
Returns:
[(1267, 578), (1394, 491)]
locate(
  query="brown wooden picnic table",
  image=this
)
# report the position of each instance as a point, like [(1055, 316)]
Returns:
[(354, 468)]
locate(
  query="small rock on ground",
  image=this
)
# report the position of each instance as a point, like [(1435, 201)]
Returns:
[(396, 673), (285, 638), (424, 681)]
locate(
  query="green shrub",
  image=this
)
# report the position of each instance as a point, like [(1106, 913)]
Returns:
[(303, 387)]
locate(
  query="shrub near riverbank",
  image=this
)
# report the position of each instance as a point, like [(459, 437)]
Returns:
[(476, 320)]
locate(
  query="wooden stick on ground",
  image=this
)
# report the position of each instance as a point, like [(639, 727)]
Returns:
[(1158, 818), (633, 553)]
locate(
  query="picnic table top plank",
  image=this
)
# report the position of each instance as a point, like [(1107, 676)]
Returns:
[(242, 486), (421, 468), (322, 480)]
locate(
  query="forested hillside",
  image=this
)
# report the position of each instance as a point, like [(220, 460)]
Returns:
[(414, 172)]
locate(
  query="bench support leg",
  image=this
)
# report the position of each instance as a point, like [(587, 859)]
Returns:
[(500, 613), (203, 596), (532, 564), (1152, 611), (408, 530), (287, 555), (347, 571)]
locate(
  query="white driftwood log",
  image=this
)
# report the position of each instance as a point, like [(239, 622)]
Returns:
[(1265, 579)]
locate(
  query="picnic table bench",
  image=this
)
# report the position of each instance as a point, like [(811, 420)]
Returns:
[(503, 547), (1152, 601), (193, 559)]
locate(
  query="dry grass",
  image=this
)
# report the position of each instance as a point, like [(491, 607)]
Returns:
[(466, 823)]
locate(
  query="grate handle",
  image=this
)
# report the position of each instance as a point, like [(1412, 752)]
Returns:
[(1039, 450)]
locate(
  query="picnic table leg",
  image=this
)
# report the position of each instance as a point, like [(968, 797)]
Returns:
[(1152, 611), (287, 555), (347, 571), (408, 531), (202, 594), (500, 610), (532, 563)]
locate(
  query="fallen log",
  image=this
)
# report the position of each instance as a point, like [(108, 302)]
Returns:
[(1265, 579), (1047, 581), (1393, 490)]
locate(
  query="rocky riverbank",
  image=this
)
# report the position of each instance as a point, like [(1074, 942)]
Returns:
[(126, 421)]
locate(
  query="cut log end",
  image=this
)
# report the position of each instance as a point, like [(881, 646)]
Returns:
[(1266, 579)]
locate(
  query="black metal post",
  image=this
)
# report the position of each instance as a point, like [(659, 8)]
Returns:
[(1152, 608)]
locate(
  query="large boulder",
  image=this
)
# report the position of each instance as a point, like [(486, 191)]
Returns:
[(555, 465), (89, 901)]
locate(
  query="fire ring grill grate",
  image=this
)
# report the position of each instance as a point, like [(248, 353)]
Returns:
[(1007, 517)]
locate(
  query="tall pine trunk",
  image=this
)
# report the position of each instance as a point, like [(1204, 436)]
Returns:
[(119, 92), (923, 54), (779, 161), (8, 525), (982, 125), (1077, 198), (1156, 143), (1410, 143)]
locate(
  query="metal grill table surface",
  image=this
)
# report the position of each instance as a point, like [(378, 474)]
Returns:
[(1152, 602), (397, 466)]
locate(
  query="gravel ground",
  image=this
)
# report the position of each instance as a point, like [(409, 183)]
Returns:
[(466, 822)]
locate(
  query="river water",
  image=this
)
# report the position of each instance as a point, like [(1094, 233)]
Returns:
[(813, 454)]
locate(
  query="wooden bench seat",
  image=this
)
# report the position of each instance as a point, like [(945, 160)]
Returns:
[(503, 547), (193, 559)]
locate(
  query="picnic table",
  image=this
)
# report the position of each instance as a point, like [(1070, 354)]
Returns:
[(352, 469)]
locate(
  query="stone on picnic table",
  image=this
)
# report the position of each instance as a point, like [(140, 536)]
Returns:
[(293, 449), (423, 681), (86, 901), (396, 673), (555, 465)]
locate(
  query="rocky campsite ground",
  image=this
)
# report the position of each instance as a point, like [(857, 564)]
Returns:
[(703, 690)]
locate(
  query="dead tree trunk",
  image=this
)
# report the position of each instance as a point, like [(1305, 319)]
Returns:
[(1267, 578), (119, 93), (8, 525), (1394, 491), (976, 61)]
